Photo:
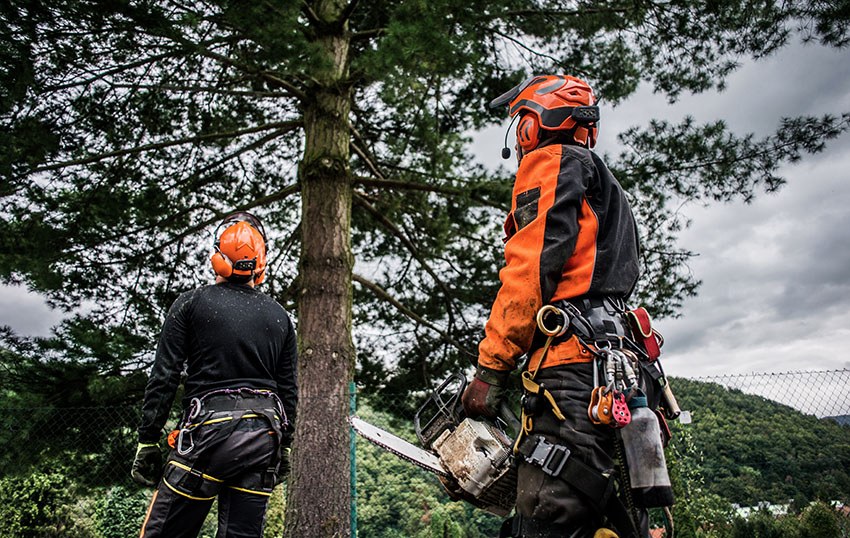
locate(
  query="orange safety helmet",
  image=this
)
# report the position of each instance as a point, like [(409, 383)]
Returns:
[(552, 103), (240, 250)]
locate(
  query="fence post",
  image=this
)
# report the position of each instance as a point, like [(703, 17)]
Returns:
[(352, 389)]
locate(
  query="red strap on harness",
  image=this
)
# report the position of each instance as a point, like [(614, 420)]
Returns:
[(644, 333)]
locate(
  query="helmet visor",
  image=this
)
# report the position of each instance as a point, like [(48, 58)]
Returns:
[(243, 216), (510, 95)]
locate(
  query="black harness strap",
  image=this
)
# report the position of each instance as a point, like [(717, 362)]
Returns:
[(597, 488)]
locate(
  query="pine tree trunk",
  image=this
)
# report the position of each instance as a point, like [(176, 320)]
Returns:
[(319, 488)]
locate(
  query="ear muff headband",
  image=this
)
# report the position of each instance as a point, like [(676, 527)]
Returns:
[(242, 216)]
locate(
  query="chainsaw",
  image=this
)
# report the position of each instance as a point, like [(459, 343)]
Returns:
[(472, 458)]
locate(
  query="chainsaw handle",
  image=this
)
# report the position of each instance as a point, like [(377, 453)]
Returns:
[(508, 416)]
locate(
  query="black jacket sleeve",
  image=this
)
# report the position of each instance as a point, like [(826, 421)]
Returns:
[(287, 375), (167, 367)]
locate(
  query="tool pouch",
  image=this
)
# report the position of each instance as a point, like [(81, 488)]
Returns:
[(647, 337)]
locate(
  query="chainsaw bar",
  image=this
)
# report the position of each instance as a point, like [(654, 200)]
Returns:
[(398, 446)]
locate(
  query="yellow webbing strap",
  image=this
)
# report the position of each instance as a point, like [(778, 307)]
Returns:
[(532, 387), (529, 375)]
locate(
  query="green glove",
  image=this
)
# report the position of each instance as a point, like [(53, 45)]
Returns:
[(147, 465), (284, 468)]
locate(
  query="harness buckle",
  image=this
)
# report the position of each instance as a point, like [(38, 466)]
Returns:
[(550, 457)]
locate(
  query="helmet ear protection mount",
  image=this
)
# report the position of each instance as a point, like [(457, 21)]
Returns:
[(528, 132), (240, 250)]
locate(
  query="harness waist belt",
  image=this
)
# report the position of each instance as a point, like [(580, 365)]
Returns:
[(603, 317), (240, 402), (556, 460)]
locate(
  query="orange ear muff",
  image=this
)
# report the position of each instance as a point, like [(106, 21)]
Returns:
[(528, 132), (221, 265)]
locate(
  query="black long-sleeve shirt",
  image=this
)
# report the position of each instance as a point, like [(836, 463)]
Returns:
[(227, 336)]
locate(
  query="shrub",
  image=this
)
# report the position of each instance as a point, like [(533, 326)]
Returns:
[(120, 512), (35, 506)]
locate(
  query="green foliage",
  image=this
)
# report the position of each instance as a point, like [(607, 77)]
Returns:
[(275, 513), (820, 519), (120, 512), (35, 506), (697, 512)]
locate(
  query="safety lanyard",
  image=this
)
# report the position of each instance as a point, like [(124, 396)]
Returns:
[(528, 375)]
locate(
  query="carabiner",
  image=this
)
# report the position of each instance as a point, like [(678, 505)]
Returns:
[(559, 330), (179, 446), (194, 409)]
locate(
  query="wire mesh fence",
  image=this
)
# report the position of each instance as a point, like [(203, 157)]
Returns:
[(765, 455)]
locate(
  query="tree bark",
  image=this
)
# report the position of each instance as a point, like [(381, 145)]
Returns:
[(319, 503)]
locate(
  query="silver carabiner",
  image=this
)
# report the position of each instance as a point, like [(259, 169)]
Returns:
[(194, 409), (179, 446)]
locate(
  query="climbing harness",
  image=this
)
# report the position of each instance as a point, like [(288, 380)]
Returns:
[(624, 348), (238, 404)]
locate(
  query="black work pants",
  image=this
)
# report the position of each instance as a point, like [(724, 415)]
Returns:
[(549, 506), (238, 473)]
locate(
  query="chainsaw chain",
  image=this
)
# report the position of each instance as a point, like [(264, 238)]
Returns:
[(407, 458)]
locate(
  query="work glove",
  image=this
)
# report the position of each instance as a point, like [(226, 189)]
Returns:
[(284, 467), (484, 395), (147, 465)]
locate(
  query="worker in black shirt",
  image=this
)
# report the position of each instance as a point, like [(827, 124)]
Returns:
[(238, 348)]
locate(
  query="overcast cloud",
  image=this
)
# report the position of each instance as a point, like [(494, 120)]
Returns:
[(776, 273)]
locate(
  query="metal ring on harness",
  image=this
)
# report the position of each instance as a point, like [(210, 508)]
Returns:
[(559, 330)]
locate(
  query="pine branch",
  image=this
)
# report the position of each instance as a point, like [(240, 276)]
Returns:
[(364, 35), (522, 45), (383, 295), (348, 11), (410, 185), (273, 197), (514, 13), (361, 200), (269, 76), (110, 72), (360, 147), (283, 126), (200, 89)]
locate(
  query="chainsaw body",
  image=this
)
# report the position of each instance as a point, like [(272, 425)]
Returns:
[(477, 455)]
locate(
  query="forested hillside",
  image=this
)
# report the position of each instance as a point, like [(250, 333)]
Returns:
[(753, 449)]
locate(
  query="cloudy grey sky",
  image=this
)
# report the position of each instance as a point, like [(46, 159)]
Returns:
[(776, 274)]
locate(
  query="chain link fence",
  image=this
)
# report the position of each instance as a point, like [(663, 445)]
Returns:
[(765, 455)]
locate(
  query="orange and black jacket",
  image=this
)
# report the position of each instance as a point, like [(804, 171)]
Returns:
[(570, 234)]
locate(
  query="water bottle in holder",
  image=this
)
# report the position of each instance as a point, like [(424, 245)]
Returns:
[(647, 467)]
